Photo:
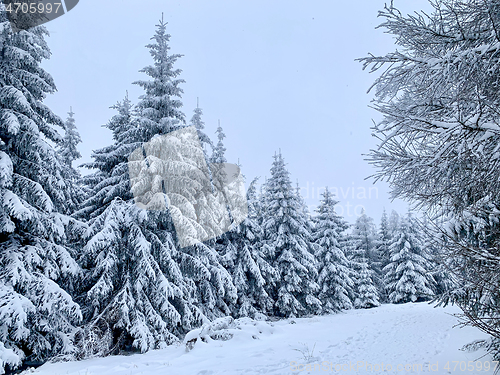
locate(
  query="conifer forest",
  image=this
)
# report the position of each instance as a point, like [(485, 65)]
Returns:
[(158, 237)]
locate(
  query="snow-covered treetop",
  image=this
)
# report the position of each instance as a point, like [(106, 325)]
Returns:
[(219, 151), (364, 226), (326, 212), (67, 148), (198, 123), (159, 108)]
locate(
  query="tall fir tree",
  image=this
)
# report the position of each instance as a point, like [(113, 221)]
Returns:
[(365, 233), (407, 276), (361, 249), (68, 151), (197, 122), (68, 147), (37, 314), (248, 266), (218, 155), (142, 291), (394, 222), (288, 243), (383, 251), (334, 279), (159, 110)]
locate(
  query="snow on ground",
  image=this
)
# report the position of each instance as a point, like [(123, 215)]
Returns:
[(393, 339)]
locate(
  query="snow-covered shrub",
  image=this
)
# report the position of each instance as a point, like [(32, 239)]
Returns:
[(227, 328)]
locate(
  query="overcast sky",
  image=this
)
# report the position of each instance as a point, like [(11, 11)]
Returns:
[(278, 75)]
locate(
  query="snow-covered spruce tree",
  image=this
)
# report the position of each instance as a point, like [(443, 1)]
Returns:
[(219, 150), (334, 276), (439, 140), (37, 315), (198, 123), (365, 293), (210, 289), (68, 151), (134, 288), (383, 252), (306, 217), (205, 212), (407, 276), (394, 221), (142, 292), (247, 264), (366, 239), (159, 107), (68, 147), (288, 243)]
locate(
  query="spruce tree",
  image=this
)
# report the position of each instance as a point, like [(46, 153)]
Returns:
[(248, 266), (219, 150), (37, 314), (68, 147), (365, 234), (151, 280), (142, 291), (288, 238), (198, 123), (384, 239), (365, 294), (394, 222), (383, 252), (159, 107), (407, 276), (333, 267), (68, 151), (361, 249)]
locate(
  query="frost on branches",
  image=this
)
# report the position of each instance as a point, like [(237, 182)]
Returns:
[(440, 137)]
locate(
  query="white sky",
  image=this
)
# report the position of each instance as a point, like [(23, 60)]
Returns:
[(278, 74)]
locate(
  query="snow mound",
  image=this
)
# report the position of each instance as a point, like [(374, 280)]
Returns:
[(227, 328)]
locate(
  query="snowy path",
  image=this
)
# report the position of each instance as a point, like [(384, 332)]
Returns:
[(392, 335)]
